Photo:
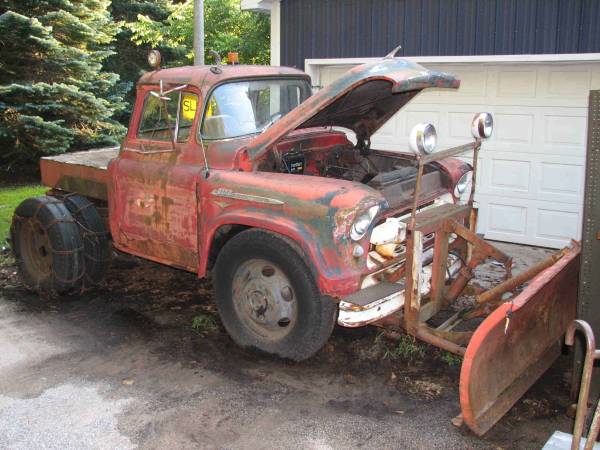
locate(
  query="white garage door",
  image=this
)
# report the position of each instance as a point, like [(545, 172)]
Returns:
[(532, 170)]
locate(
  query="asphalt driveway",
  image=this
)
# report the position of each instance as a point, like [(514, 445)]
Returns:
[(123, 367)]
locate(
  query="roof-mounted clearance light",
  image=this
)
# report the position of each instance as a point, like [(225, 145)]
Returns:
[(233, 58), (154, 59)]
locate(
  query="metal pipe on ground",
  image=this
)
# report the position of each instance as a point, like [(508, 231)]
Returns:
[(516, 281)]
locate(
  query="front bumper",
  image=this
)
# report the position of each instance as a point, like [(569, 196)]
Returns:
[(380, 300), (370, 304)]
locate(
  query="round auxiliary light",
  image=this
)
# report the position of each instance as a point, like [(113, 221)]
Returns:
[(423, 138), (154, 59), (482, 125)]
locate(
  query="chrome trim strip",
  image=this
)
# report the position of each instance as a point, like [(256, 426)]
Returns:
[(228, 193)]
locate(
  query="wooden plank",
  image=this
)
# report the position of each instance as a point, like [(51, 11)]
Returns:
[(414, 265), (438, 268)]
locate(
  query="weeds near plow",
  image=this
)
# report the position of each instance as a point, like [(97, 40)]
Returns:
[(451, 359), (204, 324), (406, 348)]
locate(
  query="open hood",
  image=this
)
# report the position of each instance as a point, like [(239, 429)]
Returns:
[(362, 100)]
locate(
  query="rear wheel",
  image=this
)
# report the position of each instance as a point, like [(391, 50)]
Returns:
[(95, 237), (47, 246), (267, 297)]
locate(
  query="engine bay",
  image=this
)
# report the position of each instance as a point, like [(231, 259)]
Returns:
[(332, 155)]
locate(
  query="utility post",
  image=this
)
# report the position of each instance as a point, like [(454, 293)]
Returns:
[(198, 32)]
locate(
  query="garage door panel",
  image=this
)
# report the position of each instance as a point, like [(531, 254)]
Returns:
[(565, 130), (459, 125), (510, 175), (513, 127), (431, 96), (573, 83), (557, 225), (505, 219), (415, 117), (561, 179), (535, 177), (473, 84), (543, 223), (521, 83), (517, 128)]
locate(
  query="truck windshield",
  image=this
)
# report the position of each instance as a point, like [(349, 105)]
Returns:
[(250, 107)]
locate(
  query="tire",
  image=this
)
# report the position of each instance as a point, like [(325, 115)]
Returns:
[(96, 245), (47, 246), (267, 297)]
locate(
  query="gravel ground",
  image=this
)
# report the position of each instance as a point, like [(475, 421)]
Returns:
[(122, 367)]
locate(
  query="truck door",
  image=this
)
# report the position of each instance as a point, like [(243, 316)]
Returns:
[(153, 203)]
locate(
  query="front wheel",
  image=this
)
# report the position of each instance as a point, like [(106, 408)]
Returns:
[(267, 297)]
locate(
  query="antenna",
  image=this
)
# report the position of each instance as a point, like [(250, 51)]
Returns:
[(392, 54)]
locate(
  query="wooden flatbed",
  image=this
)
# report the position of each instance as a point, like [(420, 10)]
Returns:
[(82, 172)]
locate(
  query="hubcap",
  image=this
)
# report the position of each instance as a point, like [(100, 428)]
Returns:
[(35, 250), (264, 299)]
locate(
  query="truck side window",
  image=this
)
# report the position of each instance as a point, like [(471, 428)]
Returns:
[(161, 118)]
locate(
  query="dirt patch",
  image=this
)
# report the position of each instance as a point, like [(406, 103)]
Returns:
[(195, 388)]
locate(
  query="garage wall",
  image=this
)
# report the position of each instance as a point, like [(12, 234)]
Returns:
[(372, 28), (532, 170)]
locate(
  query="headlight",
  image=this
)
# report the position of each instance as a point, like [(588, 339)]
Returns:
[(482, 125), (423, 138), (362, 223), (463, 184)]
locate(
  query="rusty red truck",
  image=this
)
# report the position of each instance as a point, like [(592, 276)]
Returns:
[(243, 174)]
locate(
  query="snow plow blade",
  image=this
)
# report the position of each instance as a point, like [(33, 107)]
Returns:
[(503, 360)]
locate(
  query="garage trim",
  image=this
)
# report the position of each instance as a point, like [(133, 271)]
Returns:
[(312, 66)]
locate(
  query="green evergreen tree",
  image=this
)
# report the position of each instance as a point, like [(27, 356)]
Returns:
[(54, 95)]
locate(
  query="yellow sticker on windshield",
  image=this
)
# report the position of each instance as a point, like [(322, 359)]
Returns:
[(188, 106)]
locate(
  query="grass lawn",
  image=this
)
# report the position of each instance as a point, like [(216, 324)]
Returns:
[(10, 197)]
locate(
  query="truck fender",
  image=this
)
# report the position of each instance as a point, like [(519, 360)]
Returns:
[(282, 227), (317, 217)]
